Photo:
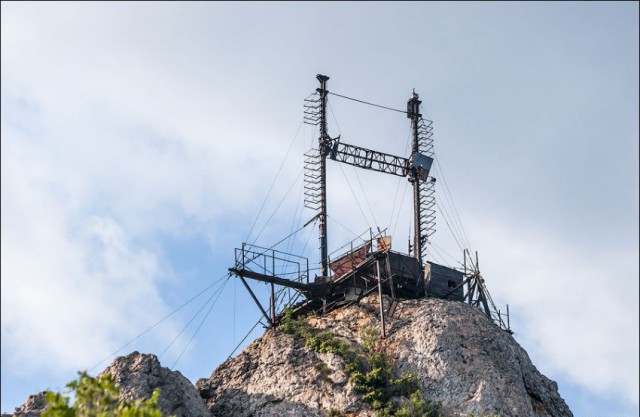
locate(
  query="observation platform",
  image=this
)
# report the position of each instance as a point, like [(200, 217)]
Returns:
[(359, 271)]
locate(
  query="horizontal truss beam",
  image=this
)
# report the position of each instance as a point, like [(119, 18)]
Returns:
[(368, 159)]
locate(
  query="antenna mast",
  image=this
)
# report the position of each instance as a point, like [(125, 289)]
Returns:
[(323, 142), (413, 113)]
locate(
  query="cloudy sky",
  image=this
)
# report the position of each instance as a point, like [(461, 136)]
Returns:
[(140, 143)]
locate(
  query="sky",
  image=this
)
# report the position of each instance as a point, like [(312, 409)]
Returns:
[(142, 142)]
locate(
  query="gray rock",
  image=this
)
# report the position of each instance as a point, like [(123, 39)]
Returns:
[(461, 358), (33, 407), (469, 364), (137, 375)]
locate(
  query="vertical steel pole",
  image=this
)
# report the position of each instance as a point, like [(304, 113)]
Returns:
[(273, 297), (464, 255), (413, 112), (273, 306), (384, 327), (322, 145)]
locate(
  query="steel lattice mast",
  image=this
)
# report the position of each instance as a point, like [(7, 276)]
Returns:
[(416, 168), (322, 147), (363, 269), (413, 112)]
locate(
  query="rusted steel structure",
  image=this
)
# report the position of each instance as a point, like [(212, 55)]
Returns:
[(371, 266)]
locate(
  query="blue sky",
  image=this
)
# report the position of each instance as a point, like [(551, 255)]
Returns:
[(139, 141)]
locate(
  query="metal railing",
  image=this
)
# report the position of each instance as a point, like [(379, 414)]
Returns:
[(272, 262)]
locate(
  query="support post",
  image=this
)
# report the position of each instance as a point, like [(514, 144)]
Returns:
[(384, 328), (322, 147), (273, 305), (413, 112), (464, 256), (273, 297), (394, 300)]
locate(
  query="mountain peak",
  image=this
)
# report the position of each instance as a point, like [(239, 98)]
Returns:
[(458, 358), (440, 358)]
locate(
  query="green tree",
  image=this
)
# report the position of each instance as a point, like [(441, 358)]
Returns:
[(98, 397)]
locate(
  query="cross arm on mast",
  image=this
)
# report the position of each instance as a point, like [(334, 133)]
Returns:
[(367, 158)]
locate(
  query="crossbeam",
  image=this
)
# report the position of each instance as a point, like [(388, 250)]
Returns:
[(272, 279), (368, 159)]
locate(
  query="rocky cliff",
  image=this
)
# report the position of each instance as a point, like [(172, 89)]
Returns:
[(138, 375), (440, 358), (457, 358)]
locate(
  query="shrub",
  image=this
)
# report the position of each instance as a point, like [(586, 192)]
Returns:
[(416, 406), (97, 397), (334, 412), (406, 384), (369, 371)]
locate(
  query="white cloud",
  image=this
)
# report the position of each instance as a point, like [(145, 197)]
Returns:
[(576, 304), (121, 123), (72, 288), (105, 146)]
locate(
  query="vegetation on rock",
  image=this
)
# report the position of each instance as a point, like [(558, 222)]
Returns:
[(369, 369), (98, 397)]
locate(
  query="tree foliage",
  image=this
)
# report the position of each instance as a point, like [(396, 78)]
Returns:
[(98, 397)]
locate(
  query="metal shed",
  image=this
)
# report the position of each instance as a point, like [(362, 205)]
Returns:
[(444, 282)]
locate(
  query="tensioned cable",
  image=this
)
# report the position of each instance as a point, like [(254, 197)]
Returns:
[(357, 177), (439, 257), (277, 207), (252, 328), (280, 241), (395, 198), (366, 200), (454, 217), (244, 338), (158, 323), (201, 323), (343, 226), (288, 236), (449, 226), (274, 181), (404, 192), (354, 196), (440, 250), (192, 319), (444, 180), (448, 217), (297, 218), (334, 117), (308, 239), (456, 224), (366, 102)]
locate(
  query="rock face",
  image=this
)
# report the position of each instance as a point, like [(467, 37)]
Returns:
[(137, 375), (33, 407), (460, 357)]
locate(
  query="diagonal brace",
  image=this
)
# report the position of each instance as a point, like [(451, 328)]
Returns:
[(264, 313)]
